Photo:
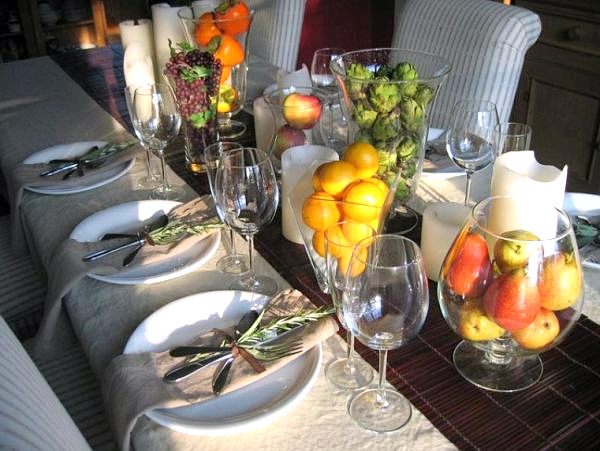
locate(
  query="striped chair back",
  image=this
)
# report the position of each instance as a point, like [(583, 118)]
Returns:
[(276, 29), (484, 41), (32, 416)]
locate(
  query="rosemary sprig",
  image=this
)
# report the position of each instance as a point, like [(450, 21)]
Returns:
[(177, 229)]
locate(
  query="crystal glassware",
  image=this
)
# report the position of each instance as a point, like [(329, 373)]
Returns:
[(511, 286), (157, 119), (346, 373), (233, 263), (385, 303), (247, 194), (470, 139), (150, 180), (321, 77)]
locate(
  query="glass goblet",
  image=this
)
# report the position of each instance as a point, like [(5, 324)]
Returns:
[(150, 180), (512, 137), (233, 263), (157, 119), (470, 140), (246, 192), (385, 303), (345, 373)]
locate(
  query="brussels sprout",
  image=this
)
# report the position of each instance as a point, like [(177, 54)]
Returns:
[(355, 87), (402, 190), (406, 72), (423, 95), (386, 126), (363, 116), (384, 96), (407, 148), (411, 115)]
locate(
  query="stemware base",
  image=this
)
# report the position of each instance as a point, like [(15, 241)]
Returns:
[(236, 264), (258, 284), (402, 220), (371, 412), (170, 193), (230, 129), (147, 182), (346, 377), (496, 373)]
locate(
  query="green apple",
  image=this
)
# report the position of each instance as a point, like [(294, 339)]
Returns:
[(475, 325), (514, 251)]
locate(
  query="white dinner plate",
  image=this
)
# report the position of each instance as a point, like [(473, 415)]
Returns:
[(72, 150), (250, 407), (583, 204), (132, 216)]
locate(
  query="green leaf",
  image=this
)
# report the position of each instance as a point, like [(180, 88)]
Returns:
[(195, 73), (201, 118)]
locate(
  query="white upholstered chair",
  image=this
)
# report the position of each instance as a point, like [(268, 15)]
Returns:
[(276, 29), (484, 41), (32, 417)]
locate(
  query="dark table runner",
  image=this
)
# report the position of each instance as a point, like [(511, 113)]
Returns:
[(561, 411)]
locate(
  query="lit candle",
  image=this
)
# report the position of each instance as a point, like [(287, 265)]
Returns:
[(441, 223)]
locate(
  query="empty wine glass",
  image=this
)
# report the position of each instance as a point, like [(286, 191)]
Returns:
[(150, 180), (246, 192), (233, 263), (321, 76), (385, 304), (470, 140), (157, 119), (512, 137), (346, 373)]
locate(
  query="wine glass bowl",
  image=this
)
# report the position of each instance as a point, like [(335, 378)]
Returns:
[(470, 140), (511, 286)]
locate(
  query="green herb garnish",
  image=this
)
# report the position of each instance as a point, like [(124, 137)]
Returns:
[(178, 229)]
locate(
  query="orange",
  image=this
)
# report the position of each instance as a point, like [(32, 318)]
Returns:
[(363, 201), (316, 179), (206, 29), (228, 99), (337, 244), (320, 210), (358, 264), (234, 17), (230, 51), (225, 72), (318, 242), (363, 156), (380, 184), (356, 231), (335, 176)]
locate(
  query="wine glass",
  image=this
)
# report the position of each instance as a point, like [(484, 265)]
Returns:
[(157, 119), (470, 140), (321, 76), (150, 180), (246, 192), (512, 136), (385, 303), (233, 263), (345, 373)]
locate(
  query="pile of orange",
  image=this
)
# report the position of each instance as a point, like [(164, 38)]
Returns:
[(345, 190)]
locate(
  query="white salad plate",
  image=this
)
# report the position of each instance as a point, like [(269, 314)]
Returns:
[(130, 217), (257, 404), (583, 204), (73, 150)]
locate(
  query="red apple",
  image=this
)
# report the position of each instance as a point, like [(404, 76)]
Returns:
[(301, 110), (287, 137), (470, 269), (540, 332), (560, 282), (512, 300)]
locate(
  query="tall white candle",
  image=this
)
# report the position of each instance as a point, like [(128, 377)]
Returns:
[(140, 32), (137, 66), (441, 223), (166, 26)]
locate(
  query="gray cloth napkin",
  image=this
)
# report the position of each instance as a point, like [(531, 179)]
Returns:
[(28, 175), (67, 268), (133, 383)]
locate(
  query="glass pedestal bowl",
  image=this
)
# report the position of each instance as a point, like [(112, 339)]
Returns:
[(511, 286)]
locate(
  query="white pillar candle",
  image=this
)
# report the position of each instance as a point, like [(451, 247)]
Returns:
[(264, 124), (297, 167), (137, 66), (140, 32), (536, 186), (441, 223), (167, 25)]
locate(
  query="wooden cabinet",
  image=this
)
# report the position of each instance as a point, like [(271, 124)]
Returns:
[(559, 92)]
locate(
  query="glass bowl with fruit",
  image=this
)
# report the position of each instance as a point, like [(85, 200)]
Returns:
[(387, 97), (511, 286)]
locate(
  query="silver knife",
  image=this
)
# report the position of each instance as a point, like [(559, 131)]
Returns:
[(140, 241)]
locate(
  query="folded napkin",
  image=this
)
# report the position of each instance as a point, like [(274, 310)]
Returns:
[(133, 383), (67, 266), (29, 175)]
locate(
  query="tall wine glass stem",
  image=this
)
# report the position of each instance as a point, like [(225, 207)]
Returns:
[(381, 393), (250, 238), (468, 188), (232, 239), (163, 170), (350, 352), (148, 163)]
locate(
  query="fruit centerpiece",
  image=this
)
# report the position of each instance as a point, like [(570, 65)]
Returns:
[(511, 286), (387, 96)]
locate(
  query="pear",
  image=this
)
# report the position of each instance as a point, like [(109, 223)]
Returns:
[(475, 325)]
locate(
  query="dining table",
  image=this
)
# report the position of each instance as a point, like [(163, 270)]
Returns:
[(78, 96)]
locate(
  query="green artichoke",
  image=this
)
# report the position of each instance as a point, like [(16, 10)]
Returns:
[(383, 96), (406, 72), (411, 115), (363, 116), (386, 126), (407, 148), (423, 95), (356, 72)]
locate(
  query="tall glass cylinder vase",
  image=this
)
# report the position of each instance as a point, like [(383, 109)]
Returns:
[(225, 36), (387, 97)]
